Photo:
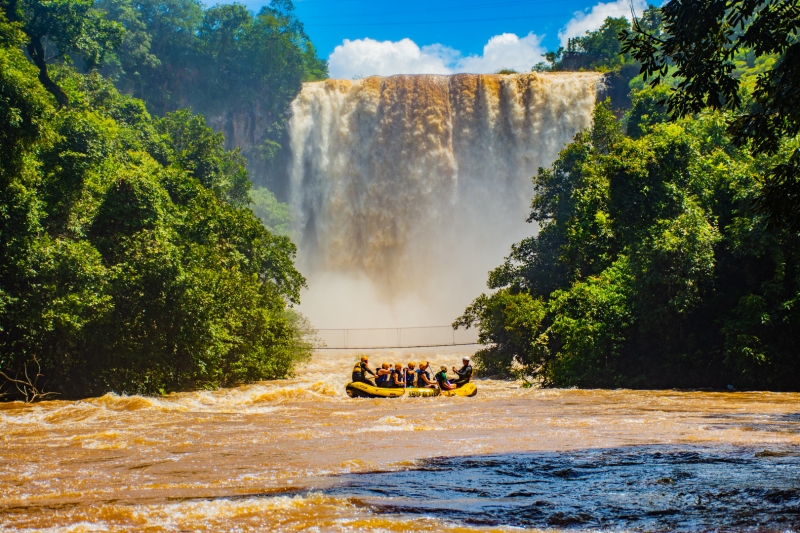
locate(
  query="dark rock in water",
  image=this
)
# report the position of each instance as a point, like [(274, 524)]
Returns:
[(652, 488), (561, 519)]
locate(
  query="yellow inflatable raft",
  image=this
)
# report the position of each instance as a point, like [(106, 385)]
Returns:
[(468, 389), (362, 390)]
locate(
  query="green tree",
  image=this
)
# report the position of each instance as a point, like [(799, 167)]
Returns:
[(603, 46), (703, 39), (650, 267), (647, 109), (59, 29), (131, 261), (510, 322), (240, 69), (591, 320), (602, 49), (196, 148), (274, 214)]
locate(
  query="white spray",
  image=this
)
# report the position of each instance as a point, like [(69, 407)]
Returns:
[(407, 190)]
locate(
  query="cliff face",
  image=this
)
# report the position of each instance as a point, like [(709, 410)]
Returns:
[(243, 127), (262, 140), (617, 87)]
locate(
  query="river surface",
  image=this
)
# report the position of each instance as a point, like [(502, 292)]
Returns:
[(298, 455)]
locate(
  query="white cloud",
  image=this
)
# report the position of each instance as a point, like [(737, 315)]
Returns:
[(583, 21), (504, 51), (368, 57)]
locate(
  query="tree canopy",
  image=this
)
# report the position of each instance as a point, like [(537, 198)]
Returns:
[(701, 42), (175, 54), (59, 30), (668, 245), (601, 49), (650, 269), (240, 69), (131, 261)]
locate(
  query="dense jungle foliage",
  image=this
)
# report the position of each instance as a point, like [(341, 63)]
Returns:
[(239, 69), (668, 248), (650, 268), (700, 44), (175, 54), (129, 259)]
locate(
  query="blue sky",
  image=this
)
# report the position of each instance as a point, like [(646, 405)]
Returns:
[(363, 37)]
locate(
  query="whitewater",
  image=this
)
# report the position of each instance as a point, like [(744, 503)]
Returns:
[(407, 190), (297, 455)]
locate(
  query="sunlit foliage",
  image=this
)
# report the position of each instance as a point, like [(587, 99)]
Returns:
[(742, 56), (130, 260), (240, 69), (601, 49), (650, 268)]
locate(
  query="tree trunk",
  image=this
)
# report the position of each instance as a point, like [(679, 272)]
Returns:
[(36, 51)]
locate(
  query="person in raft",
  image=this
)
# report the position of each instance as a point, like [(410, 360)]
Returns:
[(441, 379), (398, 377), (424, 378), (465, 374), (411, 374), (361, 370), (383, 375)]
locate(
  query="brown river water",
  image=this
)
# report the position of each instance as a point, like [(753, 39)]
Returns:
[(299, 455)]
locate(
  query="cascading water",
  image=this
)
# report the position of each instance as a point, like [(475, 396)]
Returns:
[(406, 190)]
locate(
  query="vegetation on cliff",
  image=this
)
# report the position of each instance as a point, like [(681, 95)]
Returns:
[(130, 261), (650, 268), (703, 45), (602, 50), (176, 54), (238, 68)]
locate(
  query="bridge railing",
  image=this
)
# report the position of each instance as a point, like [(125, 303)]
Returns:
[(386, 338)]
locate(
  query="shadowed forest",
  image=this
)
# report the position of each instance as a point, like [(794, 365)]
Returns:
[(668, 248), (131, 258), (137, 258)]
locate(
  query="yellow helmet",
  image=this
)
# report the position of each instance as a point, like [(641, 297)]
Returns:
[(364, 358)]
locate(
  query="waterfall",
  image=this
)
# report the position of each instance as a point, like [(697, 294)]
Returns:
[(407, 190)]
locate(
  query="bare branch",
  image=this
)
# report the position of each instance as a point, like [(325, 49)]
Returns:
[(28, 387)]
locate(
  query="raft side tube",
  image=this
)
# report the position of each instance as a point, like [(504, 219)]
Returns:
[(363, 390), (422, 392), (468, 389)]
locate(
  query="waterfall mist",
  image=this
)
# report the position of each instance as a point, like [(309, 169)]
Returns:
[(407, 190)]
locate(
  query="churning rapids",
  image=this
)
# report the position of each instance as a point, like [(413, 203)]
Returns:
[(298, 455)]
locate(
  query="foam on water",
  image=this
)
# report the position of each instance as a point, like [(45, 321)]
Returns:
[(312, 512), (263, 457)]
